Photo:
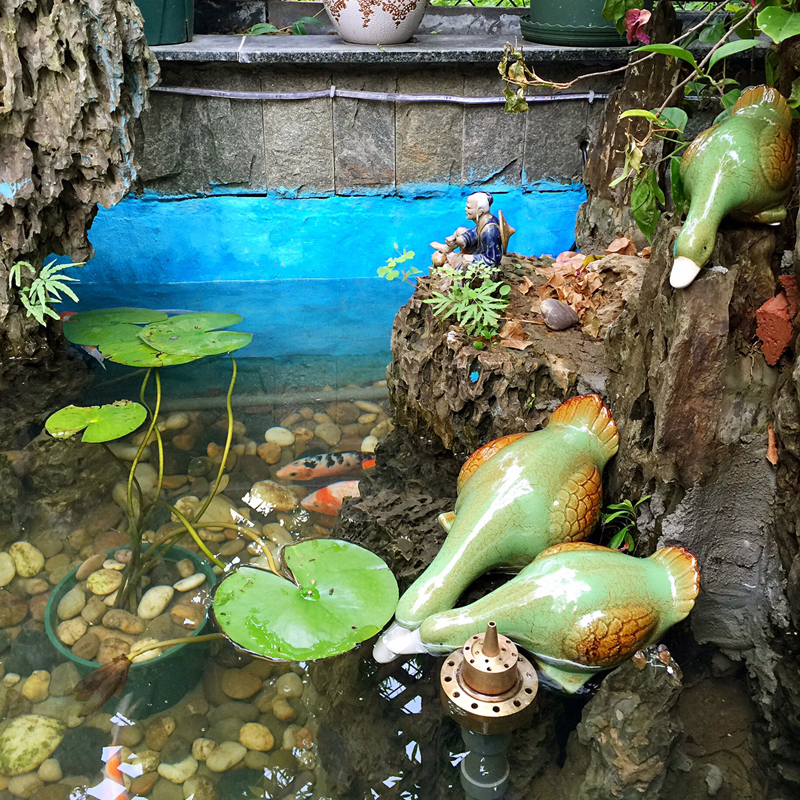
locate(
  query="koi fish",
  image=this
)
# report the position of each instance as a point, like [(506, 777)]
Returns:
[(89, 349), (328, 499), (326, 465), (112, 787)]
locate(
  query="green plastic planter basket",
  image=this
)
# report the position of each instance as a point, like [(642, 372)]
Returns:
[(167, 21), (570, 22), (156, 684)]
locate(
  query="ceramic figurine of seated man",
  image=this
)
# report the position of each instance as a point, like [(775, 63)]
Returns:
[(485, 243)]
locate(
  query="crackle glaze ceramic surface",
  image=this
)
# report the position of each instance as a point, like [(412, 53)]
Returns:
[(517, 496), (376, 21), (579, 608), (742, 166)]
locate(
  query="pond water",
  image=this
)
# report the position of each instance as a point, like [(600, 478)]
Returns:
[(242, 728)]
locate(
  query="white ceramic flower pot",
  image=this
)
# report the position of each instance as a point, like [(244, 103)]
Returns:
[(376, 21)]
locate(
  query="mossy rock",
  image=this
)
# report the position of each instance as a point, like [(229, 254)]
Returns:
[(27, 741)]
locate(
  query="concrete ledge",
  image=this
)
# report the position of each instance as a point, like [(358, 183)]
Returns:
[(423, 49)]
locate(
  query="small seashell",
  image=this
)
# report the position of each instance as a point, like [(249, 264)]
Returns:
[(558, 316)]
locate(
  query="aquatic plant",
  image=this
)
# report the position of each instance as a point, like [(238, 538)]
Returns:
[(45, 288), (472, 298), (624, 514)]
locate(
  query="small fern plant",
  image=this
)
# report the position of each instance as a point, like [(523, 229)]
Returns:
[(390, 272), (475, 300), (44, 291), (623, 514)]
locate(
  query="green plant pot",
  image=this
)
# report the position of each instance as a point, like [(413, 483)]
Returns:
[(156, 684), (570, 22), (167, 21)]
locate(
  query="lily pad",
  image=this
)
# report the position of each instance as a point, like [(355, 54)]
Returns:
[(138, 354), (102, 423), (116, 316), (343, 596), (99, 334), (196, 334)]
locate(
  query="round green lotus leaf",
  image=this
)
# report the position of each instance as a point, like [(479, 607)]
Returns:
[(344, 595), (199, 344), (196, 322), (99, 334), (115, 316), (102, 423), (138, 354)]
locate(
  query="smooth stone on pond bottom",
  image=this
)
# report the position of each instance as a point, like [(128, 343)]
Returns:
[(255, 736), (231, 709), (13, 609), (166, 790), (112, 648), (104, 582), (180, 772), (27, 741), (185, 567), (237, 785), (225, 756), (87, 646), (119, 620), (280, 436), (92, 564), (329, 432), (202, 748), (36, 686), (192, 581), (7, 569), (239, 684), (154, 601), (266, 496), (28, 560), (94, 610), (63, 679), (200, 787), (82, 749), (289, 685), (50, 771), (188, 615), (158, 731), (24, 786), (71, 604), (70, 631)]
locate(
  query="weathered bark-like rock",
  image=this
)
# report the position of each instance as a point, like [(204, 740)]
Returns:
[(75, 76), (606, 213)]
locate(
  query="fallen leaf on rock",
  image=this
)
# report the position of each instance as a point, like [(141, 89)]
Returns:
[(512, 335), (526, 285), (646, 252), (623, 246), (772, 446)]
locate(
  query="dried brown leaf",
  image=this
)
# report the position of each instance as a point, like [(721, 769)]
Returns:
[(526, 285), (772, 446), (622, 245)]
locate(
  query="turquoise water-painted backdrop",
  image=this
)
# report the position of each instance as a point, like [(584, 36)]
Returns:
[(301, 270)]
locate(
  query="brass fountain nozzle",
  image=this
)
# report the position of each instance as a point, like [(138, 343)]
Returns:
[(487, 686)]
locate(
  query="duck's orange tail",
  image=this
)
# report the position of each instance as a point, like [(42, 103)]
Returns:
[(685, 576), (589, 412)]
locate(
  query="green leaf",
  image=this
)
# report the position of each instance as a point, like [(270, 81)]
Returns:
[(515, 100), (615, 10), (261, 28), (669, 50), (640, 112), (98, 334), (137, 354), (195, 335), (730, 48), (778, 23), (114, 316), (101, 423), (676, 118), (616, 540), (771, 63), (729, 99), (645, 196), (345, 594), (794, 97), (711, 34)]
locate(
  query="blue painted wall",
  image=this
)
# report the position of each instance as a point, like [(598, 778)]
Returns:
[(302, 271)]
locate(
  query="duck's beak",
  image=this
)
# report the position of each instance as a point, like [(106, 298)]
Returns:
[(684, 271)]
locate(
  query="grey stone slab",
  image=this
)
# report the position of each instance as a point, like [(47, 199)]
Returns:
[(554, 132), (298, 133), (364, 134), (201, 49), (191, 144), (494, 142), (429, 135)]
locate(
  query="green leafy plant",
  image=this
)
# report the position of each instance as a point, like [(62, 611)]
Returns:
[(45, 288), (624, 515), (472, 298), (298, 27), (391, 272)]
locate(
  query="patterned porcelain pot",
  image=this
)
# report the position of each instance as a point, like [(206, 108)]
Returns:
[(376, 21)]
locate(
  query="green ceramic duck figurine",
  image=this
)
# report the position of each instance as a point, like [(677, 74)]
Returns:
[(741, 166), (578, 608), (516, 496)]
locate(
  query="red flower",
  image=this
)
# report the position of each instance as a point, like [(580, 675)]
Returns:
[(635, 20)]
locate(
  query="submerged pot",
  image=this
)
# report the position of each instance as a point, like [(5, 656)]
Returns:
[(162, 681), (376, 21)]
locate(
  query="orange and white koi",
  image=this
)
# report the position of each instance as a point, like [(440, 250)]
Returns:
[(326, 465), (328, 499)]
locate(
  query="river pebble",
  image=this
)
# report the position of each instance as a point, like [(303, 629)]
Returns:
[(112, 648), (92, 564), (269, 452), (200, 787), (255, 736), (113, 563), (70, 631), (143, 784), (94, 610), (166, 790), (289, 685), (180, 772), (87, 646), (63, 679), (176, 421), (280, 436), (282, 710), (36, 686), (329, 432), (154, 601), (71, 604), (13, 609), (157, 732), (187, 615), (119, 620), (28, 560), (369, 443), (33, 586), (148, 654), (192, 581), (104, 582), (239, 684), (225, 756), (50, 771), (266, 496), (24, 786), (7, 569), (202, 748), (185, 568), (27, 741)]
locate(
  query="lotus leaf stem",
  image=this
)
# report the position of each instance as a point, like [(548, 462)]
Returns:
[(257, 539), (137, 651), (193, 533)]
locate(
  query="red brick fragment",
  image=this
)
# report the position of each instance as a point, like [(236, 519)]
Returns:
[(789, 284), (774, 328)]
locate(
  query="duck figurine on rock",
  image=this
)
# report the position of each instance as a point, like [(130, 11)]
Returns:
[(741, 166), (517, 496)]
